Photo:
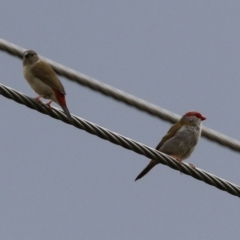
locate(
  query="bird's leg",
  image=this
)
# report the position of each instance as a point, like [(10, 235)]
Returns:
[(192, 166), (49, 104), (180, 163), (38, 98)]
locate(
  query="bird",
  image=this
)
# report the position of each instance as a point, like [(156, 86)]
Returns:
[(44, 81), (180, 140)]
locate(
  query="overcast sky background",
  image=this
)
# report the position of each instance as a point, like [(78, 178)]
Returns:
[(58, 182)]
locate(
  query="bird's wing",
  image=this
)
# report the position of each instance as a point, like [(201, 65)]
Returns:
[(45, 73), (171, 132)]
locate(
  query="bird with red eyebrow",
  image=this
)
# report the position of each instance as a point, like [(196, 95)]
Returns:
[(180, 140), (44, 81)]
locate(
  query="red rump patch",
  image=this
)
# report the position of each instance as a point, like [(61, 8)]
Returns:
[(197, 114), (60, 97)]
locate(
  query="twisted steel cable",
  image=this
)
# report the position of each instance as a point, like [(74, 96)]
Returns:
[(122, 96), (120, 140)]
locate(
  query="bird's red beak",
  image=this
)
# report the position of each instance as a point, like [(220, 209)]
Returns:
[(203, 118)]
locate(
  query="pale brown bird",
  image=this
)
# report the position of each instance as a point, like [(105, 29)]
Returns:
[(180, 140), (43, 80)]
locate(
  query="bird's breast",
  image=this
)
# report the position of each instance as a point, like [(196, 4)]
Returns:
[(37, 84)]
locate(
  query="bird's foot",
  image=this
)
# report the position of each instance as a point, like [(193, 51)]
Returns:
[(49, 105), (38, 99), (180, 163), (192, 166)]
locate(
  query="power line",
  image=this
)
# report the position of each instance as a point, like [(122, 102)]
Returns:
[(123, 97), (121, 140)]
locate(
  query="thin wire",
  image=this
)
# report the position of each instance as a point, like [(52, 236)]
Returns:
[(120, 140), (119, 95)]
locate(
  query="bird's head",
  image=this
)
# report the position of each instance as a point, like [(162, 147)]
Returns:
[(192, 118), (30, 57)]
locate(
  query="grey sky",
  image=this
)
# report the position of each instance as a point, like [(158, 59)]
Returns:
[(57, 182)]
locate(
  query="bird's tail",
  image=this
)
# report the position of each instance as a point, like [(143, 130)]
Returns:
[(146, 169), (66, 111), (62, 102)]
